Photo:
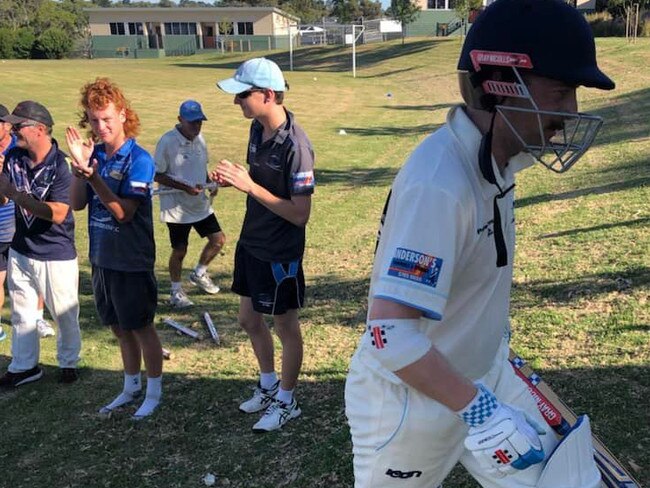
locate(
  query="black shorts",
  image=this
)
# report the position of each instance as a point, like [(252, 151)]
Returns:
[(4, 255), (179, 233), (274, 288), (126, 299)]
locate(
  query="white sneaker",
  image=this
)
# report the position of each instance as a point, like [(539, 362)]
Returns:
[(277, 415), (44, 328), (261, 399), (179, 299), (204, 282)]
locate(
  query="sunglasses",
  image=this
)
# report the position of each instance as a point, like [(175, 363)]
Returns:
[(248, 93), (22, 125)]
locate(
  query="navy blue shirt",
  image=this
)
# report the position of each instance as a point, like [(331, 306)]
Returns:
[(125, 246), (48, 181), (7, 211), (284, 165)]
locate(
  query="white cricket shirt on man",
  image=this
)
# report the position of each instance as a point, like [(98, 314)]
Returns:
[(437, 251), (186, 161)]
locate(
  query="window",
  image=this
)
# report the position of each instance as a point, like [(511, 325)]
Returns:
[(437, 4), (135, 29), (245, 28), (180, 28), (117, 28)]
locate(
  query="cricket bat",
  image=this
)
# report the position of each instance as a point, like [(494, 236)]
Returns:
[(181, 328), (211, 328), (561, 418)]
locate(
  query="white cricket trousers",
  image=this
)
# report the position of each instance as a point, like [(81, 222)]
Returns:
[(404, 439), (58, 283)]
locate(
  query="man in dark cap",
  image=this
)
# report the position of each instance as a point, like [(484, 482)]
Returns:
[(42, 257), (430, 384)]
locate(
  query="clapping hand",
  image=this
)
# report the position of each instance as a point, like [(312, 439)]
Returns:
[(81, 150)]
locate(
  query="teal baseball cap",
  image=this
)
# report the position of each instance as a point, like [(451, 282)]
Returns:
[(254, 73)]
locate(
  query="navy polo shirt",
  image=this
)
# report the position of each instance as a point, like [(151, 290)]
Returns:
[(48, 181), (127, 246), (284, 165)]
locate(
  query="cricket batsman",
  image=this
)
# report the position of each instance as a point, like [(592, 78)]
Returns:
[(430, 384)]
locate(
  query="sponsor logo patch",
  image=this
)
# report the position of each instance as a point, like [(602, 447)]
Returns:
[(140, 187), (415, 266), (303, 180)]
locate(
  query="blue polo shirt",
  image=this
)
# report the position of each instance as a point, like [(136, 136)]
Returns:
[(7, 217), (125, 246), (48, 181)]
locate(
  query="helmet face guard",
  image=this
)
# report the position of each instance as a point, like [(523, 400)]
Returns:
[(563, 149)]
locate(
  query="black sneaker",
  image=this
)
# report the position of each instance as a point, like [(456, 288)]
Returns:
[(68, 375), (13, 380)]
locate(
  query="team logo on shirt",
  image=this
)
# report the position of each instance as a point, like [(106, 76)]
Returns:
[(415, 266), (140, 187), (378, 336), (302, 181)]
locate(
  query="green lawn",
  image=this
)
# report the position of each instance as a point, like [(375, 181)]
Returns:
[(580, 304)]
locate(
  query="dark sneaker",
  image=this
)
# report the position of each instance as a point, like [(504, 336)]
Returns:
[(68, 375), (14, 380)]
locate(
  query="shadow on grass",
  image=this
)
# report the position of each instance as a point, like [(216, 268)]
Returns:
[(427, 108), (356, 176), (52, 432), (627, 175), (587, 285), (625, 118), (391, 131), (332, 58), (628, 223)]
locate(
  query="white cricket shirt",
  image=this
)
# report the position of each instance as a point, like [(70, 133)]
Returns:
[(187, 161), (437, 252)]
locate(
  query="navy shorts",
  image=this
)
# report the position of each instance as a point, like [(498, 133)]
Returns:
[(274, 288), (123, 298), (4, 255), (179, 234)]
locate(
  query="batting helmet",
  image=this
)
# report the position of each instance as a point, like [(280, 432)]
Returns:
[(554, 36)]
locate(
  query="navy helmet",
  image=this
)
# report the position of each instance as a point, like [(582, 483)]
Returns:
[(554, 36)]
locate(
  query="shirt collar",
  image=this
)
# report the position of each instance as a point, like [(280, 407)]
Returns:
[(281, 133), (122, 152), (182, 139), (469, 138)]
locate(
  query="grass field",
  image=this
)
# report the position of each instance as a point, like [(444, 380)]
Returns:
[(580, 302)]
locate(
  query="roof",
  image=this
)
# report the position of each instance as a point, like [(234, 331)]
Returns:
[(193, 10)]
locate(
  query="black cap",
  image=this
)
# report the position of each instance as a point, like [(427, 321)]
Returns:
[(554, 34), (29, 111), (3, 112)]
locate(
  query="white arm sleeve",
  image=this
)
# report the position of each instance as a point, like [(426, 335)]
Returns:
[(395, 343)]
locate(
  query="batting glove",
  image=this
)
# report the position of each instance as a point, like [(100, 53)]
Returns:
[(503, 439)]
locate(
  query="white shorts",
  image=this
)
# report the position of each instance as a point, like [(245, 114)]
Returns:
[(402, 438)]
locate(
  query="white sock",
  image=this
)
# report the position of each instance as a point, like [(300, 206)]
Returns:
[(152, 399), (200, 269), (285, 396), (39, 314), (267, 380), (176, 286), (131, 389)]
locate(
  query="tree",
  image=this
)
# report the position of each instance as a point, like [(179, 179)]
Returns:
[(7, 40), (53, 43), (345, 11), (102, 3), (464, 7), (24, 43), (370, 10), (405, 11)]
